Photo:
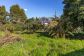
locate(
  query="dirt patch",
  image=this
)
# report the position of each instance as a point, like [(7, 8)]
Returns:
[(9, 39)]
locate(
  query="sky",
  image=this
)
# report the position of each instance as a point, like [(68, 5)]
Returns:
[(36, 8)]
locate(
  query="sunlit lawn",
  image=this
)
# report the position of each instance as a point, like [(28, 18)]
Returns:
[(38, 45)]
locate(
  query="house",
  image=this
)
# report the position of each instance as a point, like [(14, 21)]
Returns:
[(44, 21)]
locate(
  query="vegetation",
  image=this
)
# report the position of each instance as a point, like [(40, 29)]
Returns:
[(54, 36), (72, 20), (40, 45)]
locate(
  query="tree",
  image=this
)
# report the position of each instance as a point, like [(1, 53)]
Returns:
[(72, 14), (81, 14), (2, 14), (17, 14), (72, 20)]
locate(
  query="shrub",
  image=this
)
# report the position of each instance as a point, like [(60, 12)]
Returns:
[(7, 27)]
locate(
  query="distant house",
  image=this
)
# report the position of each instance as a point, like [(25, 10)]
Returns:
[(49, 21), (44, 21)]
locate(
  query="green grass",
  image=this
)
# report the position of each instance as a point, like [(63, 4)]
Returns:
[(38, 45)]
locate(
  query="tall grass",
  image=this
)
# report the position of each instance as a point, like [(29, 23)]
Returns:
[(35, 45)]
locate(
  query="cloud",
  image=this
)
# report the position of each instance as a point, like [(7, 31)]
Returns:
[(25, 9)]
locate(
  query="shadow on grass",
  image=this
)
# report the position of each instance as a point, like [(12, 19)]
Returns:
[(75, 53), (43, 34), (27, 32), (76, 36)]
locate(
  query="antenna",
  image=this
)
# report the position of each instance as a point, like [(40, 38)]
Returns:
[(55, 14), (0, 6)]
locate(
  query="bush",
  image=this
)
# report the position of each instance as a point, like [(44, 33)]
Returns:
[(7, 27), (19, 27)]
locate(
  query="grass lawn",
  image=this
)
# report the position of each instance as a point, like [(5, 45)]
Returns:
[(40, 45)]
